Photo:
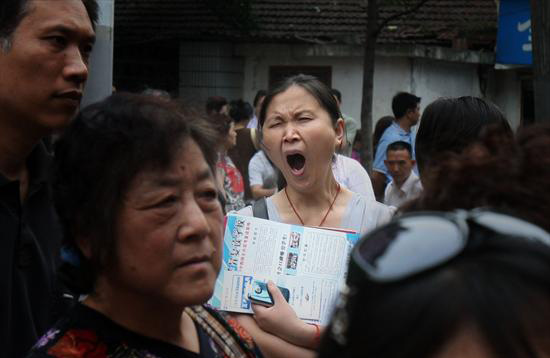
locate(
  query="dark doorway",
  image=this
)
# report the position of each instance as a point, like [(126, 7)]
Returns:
[(527, 103)]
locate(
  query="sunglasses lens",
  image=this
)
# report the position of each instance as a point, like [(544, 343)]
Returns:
[(509, 225), (408, 246)]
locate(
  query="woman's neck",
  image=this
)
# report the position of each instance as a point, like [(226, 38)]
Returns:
[(144, 315), (310, 207), (316, 196)]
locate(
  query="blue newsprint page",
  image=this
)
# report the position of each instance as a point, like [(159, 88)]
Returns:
[(310, 262)]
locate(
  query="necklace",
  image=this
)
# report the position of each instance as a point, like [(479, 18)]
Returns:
[(324, 217)]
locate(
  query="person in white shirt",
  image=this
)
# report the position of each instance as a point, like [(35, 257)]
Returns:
[(405, 184), (351, 174), (258, 100), (262, 176)]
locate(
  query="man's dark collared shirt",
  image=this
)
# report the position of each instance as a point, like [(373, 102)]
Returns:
[(29, 247)]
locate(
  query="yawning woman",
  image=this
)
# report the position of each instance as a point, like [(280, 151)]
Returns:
[(302, 127)]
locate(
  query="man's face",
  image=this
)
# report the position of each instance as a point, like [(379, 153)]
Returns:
[(44, 72), (399, 164), (414, 115)]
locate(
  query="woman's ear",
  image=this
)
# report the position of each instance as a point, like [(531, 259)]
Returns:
[(340, 130)]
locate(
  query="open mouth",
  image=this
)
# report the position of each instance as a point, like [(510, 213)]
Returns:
[(296, 162)]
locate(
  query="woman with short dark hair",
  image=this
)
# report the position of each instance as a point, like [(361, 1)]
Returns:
[(136, 193)]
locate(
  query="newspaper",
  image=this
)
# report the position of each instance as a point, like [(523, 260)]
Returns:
[(311, 262)]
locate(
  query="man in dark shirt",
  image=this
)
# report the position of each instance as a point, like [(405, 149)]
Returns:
[(44, 50)]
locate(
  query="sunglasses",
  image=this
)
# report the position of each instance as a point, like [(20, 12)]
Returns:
[(417, 242)]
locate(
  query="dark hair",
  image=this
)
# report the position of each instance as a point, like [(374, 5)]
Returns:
[(500, 289), (336, 94), (221, 124), (403, 102), (240, 111), (261, 93), (451, 124), (102, 151), (497, 171), (400, 145), (381, 125), (215, 104), (310, 84), (13, 11)]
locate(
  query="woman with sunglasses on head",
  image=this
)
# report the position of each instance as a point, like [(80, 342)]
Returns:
[(141, 212), (461, 282), (301, 128)]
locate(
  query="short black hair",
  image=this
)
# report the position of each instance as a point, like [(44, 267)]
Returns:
[(220, 123), (381, 125), (13, 11), (103, 149), (240, 111), (310, 84), (400, 145), (451, 124), (215, 104), (403, 102), (261, 93), (336, 94), (500, 289)]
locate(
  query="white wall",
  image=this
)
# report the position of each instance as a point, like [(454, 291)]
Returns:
[(429, 79), (100, 79), (209, 69), (505, 92)]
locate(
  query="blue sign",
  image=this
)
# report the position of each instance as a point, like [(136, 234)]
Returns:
[(514, 41)]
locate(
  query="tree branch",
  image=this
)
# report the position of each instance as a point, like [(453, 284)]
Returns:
[(398, 15)]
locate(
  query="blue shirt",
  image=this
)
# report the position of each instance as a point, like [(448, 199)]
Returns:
[(393, 133)]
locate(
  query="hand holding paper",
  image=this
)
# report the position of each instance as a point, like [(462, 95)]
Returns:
[(281, 320)]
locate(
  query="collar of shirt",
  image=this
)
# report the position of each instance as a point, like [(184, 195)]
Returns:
[(39, 166), (407, 185)]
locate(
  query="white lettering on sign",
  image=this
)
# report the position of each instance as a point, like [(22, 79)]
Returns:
[(522, 27)]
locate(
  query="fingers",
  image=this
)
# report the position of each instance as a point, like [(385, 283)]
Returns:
[(258, 309), (275, 293)]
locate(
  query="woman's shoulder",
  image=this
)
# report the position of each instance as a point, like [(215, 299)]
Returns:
[(85, 332), (79, 327), (373, 212), (246, 211), (219, 324)]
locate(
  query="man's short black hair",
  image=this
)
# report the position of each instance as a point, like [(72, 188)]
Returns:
[(400, 145), (240, 111), (336, 94), (13, 11), (402, 102), (215, 104)]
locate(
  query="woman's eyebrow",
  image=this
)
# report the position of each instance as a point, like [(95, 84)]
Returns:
[(204, 175)]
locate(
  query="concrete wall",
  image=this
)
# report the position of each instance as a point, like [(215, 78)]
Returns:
[(209, 69), (429, 79), (100, 79), (239, 71), (505, 92)]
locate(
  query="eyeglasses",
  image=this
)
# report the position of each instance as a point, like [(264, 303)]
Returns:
[(417, 242)]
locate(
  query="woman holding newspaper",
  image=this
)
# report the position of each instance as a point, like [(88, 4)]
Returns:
[(302, 127)]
